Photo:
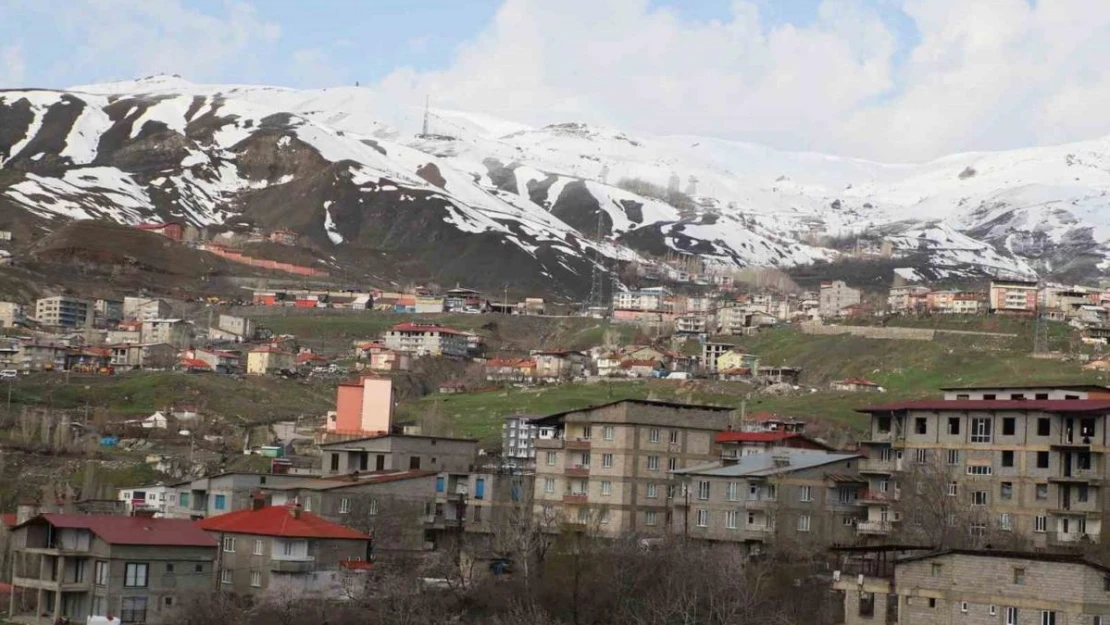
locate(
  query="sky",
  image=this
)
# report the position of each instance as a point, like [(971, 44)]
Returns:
[(888, 80)]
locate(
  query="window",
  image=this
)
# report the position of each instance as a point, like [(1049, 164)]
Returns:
[(882, 424), (1011, 616), (1008, 458), (256, 579), (953, 456), (803, 523), (1019, 576), (552, 458), (977, 529), (1006, 491), (198, 568), (1044, 426), (653, 435), (1005, 522), (1041, 395), (607, 461), (992, 610), (1042, 492), (135, 574), (307, 504), (920, 425), (1048, 618), (672, 464), (259, 547), (1106, 584), (183, 500), (953, 489), (963, 607), (225, 576), (988, 396), (220, 502), (921, 456), (603, 516), (334, 462), (344, 505), (168, 602), (606, 488), (703, 490), (100, 574), (674, 437), (652, 491), (229, 544), (806, 493), (133, 610), (981, 430), (953, 426), (1009, 426), (703, 517), (936, 569), (979, 470), (733, 491), (440, 485), (372, 509), (650, 517), (607, 432), (1040, 524), (1082, 493), (1042, 459), (548, 485), (979, 498), (730, 519), (653, 463), (587, 431), (169, 567), (867, 604), (932, 602)]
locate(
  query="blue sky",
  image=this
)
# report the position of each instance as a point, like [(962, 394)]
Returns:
[(893, 80)]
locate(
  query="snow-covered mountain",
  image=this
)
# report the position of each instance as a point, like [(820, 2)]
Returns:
[(483, 200)]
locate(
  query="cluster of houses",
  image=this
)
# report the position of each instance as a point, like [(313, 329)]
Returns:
[(702, 315), (1084, 304), (420, 301)]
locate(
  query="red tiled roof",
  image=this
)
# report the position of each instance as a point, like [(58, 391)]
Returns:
[(754, 437), (639, 363), (278, 521), (194, 363), (1046, 405), (126, 530), (409, 326), (304, 357)]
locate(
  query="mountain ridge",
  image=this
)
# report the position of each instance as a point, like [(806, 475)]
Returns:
[(477, 188)]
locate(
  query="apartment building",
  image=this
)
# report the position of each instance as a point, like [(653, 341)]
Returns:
[(64, 311), (788, 496), (283, 549), (218, 494), (607, 469), (267, 359), (1028, 460), (518, 441), (72, 566), (1013, 297), (711, 352), (426, 339), (835, 296), (142, 308), (176, 332), (909, 298), (11, 315), (398, 452), (975, 586), (653, 299)]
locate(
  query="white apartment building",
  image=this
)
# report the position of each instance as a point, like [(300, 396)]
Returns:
[(426, 340), (518, 441), (11, 314), (835, 296), (654, 299), (64, 311)]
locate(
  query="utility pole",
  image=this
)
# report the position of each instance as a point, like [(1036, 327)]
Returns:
[(427, 100)]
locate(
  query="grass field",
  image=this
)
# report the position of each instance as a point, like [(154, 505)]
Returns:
[(906, 369)]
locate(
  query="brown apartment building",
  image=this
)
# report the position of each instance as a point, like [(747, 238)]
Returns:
[(795, 498), (975, 587), (1025, 461), (607, 468)]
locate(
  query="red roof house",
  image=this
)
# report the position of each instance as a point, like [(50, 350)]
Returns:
[(127, 530), (287, 521)]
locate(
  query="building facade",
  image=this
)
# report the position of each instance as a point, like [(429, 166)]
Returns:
[(64, 311), (518, 441), (11, 315), (266, 360), (426, 340), (606, 469), (835, 296), (176, 332), (1023, 461), (138, 569), (1013, 297), (398, 452)]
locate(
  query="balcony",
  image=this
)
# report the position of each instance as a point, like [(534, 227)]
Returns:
[(881, 438), (873, 528), (292, 564), (578, 470), (867, 497), (578, 443), (1072, 442), (760, 503), (576, 497), (549, 443), (880, 467), (1071, 539), (1079, 476)]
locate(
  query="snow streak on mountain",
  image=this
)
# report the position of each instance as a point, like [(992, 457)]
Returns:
[(477, 191)]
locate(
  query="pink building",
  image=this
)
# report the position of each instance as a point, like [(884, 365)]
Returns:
[(363, 407)]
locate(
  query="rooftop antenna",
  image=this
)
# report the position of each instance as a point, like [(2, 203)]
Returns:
[(427, 100)]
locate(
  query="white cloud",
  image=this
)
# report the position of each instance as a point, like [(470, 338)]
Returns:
[(985, 74), (13, 66)]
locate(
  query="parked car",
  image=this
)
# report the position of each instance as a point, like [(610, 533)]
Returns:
[(9, 374)]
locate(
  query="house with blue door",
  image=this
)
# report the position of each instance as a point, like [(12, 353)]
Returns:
[(476, 502), (218, 494)]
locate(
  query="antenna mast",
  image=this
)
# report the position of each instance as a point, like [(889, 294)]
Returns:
[(1040, 327), (597, 274), (424, 132)]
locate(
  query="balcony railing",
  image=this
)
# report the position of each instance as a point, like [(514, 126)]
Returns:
[(576, 497), (877, 496), (876, 465), (578, 443), (578, 470), (549, 443), (873, 527)]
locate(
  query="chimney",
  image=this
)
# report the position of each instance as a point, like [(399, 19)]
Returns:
[(26, 511), (295, 511), (781, 460), (258, 501)]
